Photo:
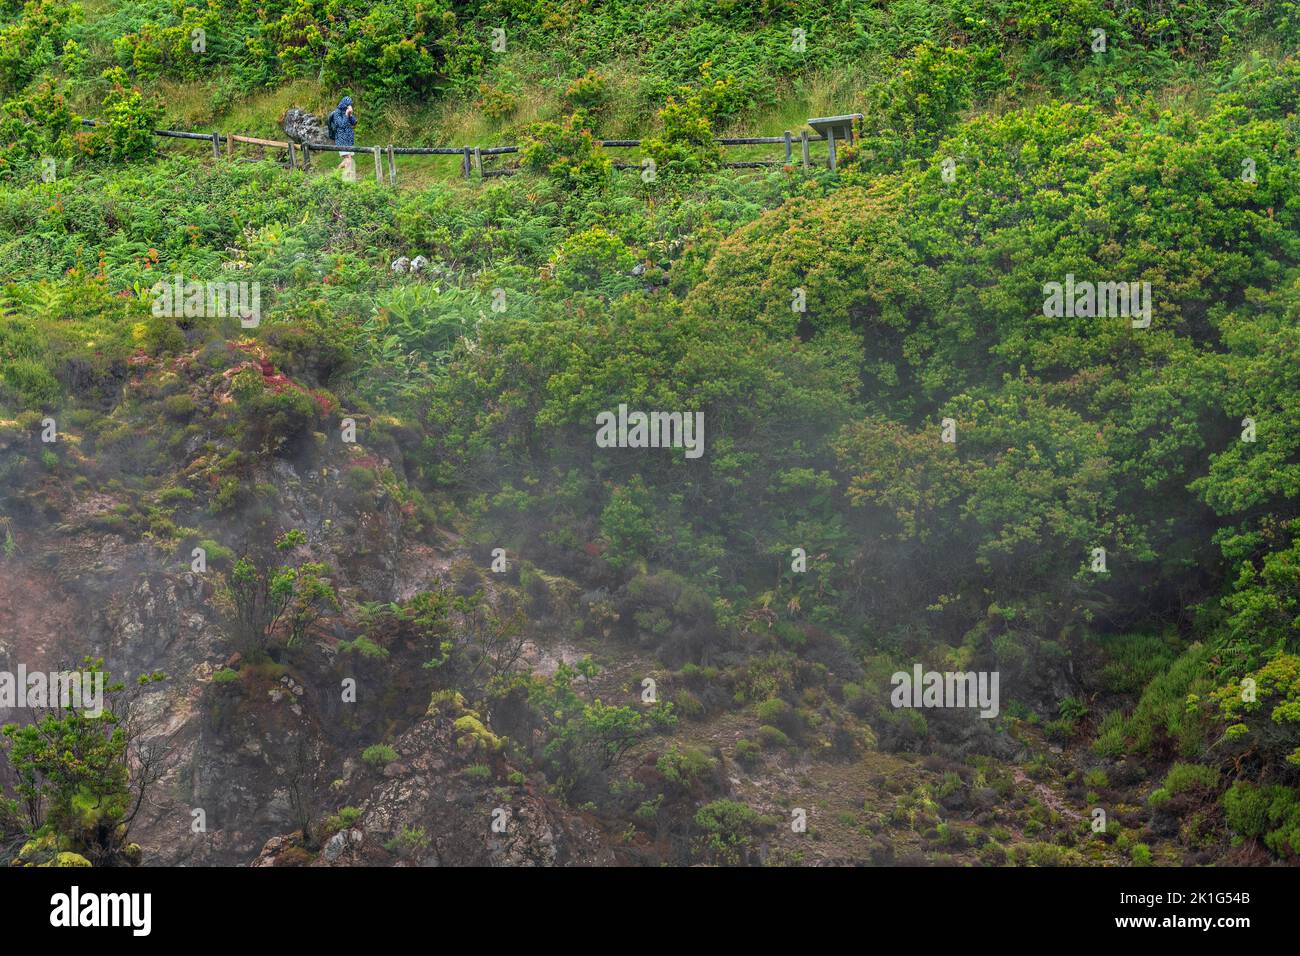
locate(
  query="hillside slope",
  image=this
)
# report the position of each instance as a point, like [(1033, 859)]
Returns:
[(1011, 393)]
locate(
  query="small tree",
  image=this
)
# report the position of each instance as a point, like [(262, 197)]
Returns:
[(569, 153), (83, 778), (585, 741), (129, 120), (494, 639), (284, 599), (688, 143), (301, 784)]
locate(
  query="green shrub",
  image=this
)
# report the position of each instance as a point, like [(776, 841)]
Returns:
[(34, 126), (495, 102), (474, 735), (175, 495), (1096, 779), (687, 143), (777, 713), (591, 259), (748, 753), (1048, 854), (686, 767), (687, 704), (910, 110), (32, 381), (343, 820), (28, 42), (569, 153), (216, 554), (727, 831), (1270, 812), (993, 854), (648, 811), (1184, 777), (588, 92), (365, 647), (379, 755), (409, 843), (128, 121)]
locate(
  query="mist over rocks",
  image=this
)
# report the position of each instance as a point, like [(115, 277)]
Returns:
[(431, 793)]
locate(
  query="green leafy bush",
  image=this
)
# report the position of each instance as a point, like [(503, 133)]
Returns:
[(909, 112), (1270, 812), (128, 119), (687, 767), (379, 755), (568, 152), (727, 831), (588, 92), (1189, 777), (687, 143)]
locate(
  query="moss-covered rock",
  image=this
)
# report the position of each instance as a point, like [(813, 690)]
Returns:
[(471, 734), (45, 850)]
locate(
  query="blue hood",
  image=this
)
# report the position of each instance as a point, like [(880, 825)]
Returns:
[(345, 103)]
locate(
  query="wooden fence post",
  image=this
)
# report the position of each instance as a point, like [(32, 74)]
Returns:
[(392, 167), (803, 139), (379, 165), (306, 157), (216, 145), (830, 145), (788, 148), (478, 162), (464, 162), (292, 165)]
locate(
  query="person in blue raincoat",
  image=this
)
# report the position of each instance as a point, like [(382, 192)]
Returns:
[(341, 125)]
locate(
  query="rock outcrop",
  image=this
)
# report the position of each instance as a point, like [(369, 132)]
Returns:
[(303, 127)]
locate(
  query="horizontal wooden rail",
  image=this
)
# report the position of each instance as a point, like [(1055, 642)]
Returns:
[(282, 144), (177, 134)]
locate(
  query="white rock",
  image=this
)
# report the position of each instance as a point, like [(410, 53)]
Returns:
[(334, 848)]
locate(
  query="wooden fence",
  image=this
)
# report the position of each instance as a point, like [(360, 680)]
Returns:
[(471, 157)]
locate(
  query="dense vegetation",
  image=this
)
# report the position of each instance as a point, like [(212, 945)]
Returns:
[(1000, 150)]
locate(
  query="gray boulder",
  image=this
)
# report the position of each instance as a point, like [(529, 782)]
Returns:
[(334, 848), (302, 127)]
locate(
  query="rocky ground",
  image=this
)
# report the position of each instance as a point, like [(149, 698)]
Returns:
[(249, 759)]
